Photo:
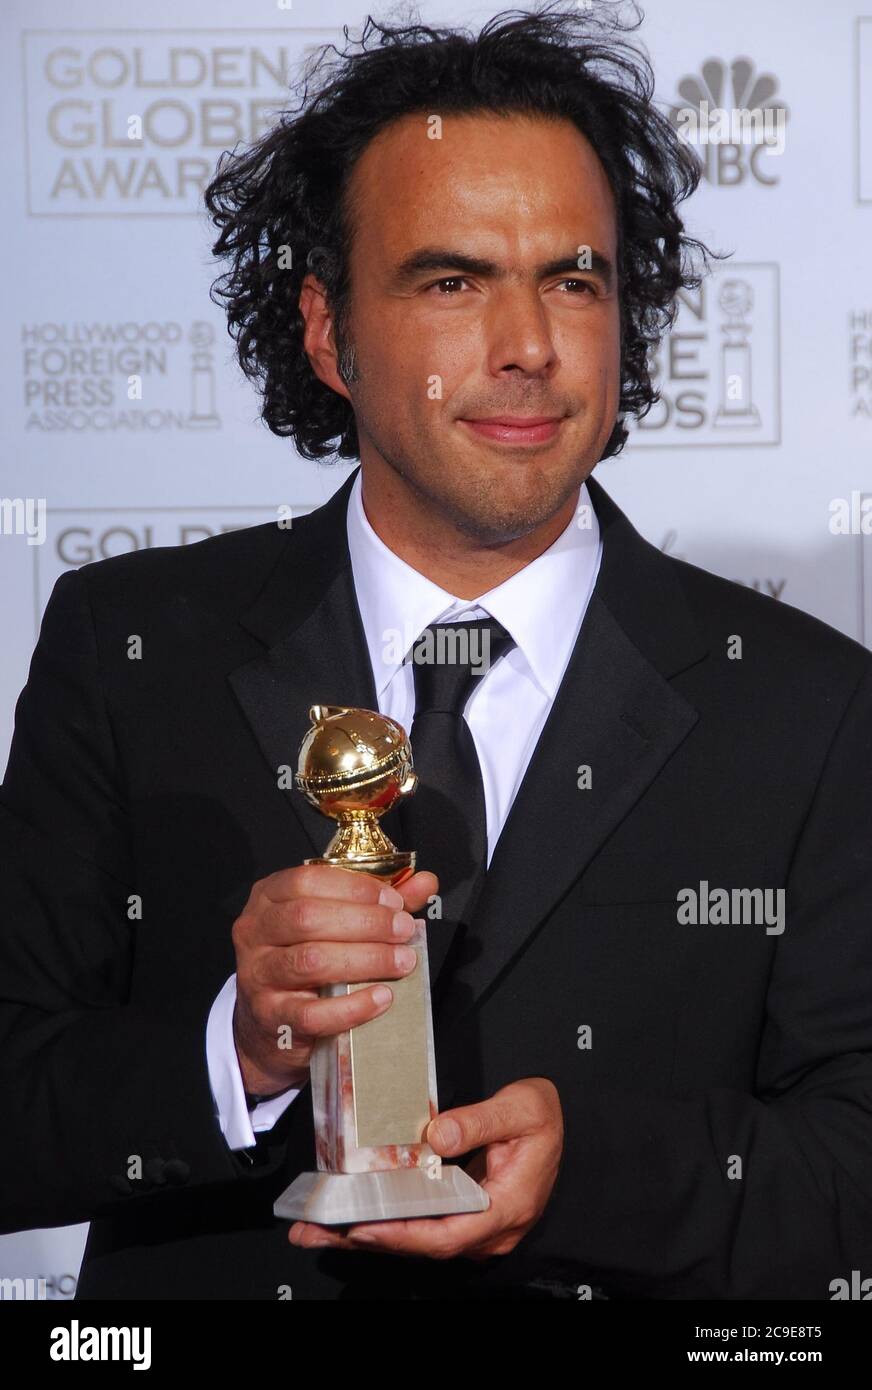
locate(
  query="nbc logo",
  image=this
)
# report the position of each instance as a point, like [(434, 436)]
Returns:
[(731, 117)]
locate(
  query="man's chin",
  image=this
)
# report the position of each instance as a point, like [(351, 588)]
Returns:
[(495, 501), (507, 514), (497, 527)]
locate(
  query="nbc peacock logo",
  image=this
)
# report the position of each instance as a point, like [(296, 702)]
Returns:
[(731, 115)]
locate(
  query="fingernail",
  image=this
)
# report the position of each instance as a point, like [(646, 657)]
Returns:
[(381, 995), (390, 897), (405, 958), (403, 924), (446, 1133)]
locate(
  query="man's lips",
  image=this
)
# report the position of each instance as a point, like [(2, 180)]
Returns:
[(517, 429)]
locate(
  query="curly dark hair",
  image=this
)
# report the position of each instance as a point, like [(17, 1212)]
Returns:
[(282, 212)]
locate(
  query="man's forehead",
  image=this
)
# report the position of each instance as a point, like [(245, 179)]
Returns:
[(416, 144), (483, 169)]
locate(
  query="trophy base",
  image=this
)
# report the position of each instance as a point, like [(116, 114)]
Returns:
[(338, 1199)]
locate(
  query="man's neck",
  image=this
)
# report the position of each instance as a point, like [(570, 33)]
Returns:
[(408, 525)]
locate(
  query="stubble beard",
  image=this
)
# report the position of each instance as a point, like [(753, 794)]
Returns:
[(474, 510)]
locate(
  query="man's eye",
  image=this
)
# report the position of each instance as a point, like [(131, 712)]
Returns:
[(585, 285), (448, 280)]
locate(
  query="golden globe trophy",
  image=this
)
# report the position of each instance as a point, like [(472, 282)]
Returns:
[(374, 1086)]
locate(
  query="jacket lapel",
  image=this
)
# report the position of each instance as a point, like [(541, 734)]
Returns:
[(614, 711), (307, 616)]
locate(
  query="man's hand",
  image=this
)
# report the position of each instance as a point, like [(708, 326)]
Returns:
[(303, 928), (520, 1131)]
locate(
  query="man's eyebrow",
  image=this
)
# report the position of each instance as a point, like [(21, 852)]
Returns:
[(430, 258)]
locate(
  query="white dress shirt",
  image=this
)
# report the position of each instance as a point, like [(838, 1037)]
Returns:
[(542, 606)]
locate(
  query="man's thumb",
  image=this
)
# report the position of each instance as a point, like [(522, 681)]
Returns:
[(444, 1135)]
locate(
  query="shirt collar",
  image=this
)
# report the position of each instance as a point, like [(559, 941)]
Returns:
[(542, 605)]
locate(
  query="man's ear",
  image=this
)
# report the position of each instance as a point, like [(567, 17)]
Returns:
[(318, 338)]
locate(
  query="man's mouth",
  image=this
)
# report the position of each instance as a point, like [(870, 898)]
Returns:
[(516, 429)]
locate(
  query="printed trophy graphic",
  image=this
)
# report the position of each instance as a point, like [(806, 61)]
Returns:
[(736, 407), (374, 1086), (202, 414)]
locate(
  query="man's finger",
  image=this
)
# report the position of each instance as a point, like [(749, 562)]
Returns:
[(435, 1236), (439, 1237), (417, 890), (309, 1016), (472, 1126), (330, 919), (316, 962), (325, 881)]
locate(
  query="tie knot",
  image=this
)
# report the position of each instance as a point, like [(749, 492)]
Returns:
[(448, 658)]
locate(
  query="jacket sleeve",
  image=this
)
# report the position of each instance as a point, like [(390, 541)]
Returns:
[(103, 1102), (649, 1201)]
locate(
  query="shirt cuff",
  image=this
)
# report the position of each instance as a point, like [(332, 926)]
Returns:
[(238, 1126)]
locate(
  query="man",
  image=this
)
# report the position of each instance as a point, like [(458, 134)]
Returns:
[(660, 1099)]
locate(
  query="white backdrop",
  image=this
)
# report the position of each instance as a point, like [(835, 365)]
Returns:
[(107, 272)]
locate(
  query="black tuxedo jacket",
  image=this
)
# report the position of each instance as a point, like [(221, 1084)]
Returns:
[(716, 1078)]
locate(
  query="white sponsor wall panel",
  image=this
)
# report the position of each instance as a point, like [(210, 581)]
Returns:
[(107, 271)]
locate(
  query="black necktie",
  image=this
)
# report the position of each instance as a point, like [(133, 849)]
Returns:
[(444, 819)]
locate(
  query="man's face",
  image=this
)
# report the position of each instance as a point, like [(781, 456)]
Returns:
[(441, 344)]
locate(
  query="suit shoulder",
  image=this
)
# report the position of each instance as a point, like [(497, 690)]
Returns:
[(794, 637), (229, 563)]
